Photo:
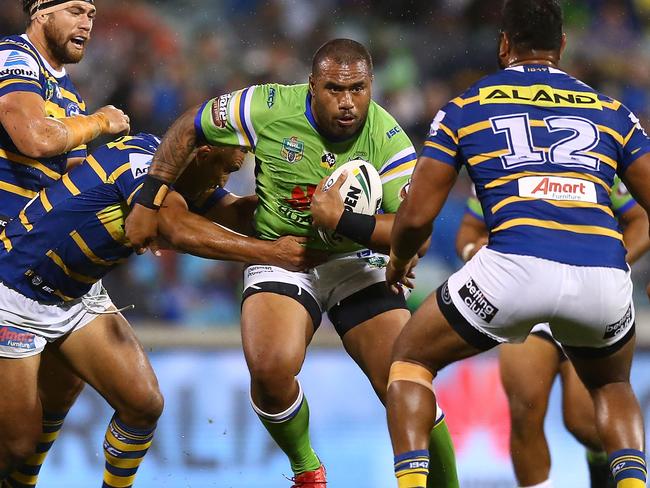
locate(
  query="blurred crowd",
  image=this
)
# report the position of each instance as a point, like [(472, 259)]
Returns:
[(154, 58)]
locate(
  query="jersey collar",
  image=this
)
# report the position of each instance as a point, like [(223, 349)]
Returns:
[(53, 72), (522, 68)]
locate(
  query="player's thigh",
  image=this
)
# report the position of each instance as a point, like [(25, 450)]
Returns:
[(599, 367), (58, 385), (107, 354), (429, 339), (371, 343), (20, 408), (276, 330), (527, 373)]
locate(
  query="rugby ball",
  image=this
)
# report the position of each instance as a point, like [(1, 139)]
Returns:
[(361, 193)]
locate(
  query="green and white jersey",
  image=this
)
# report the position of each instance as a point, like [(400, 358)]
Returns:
[(292, 156), (622, 200)]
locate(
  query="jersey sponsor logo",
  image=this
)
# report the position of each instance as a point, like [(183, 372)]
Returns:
[(270, 100), (476, 301), (621, 189), (139, 164), (435, 124), (4, 220), (293, 149), (538, 95), (220, 111), (301, 199), (37, 282), (445, 295), (17, 63), (557, 188), (393, 131), (13, 337), (616, 328), (328, 160), (637, 123)]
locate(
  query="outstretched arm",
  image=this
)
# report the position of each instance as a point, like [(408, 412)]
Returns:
[(471, 236), (196, 235), (432, 180), (635, 233)]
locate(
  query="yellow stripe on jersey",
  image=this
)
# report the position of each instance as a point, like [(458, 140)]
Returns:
[(557, 203), (23, 192), (72, 97), (112, 178), (481, 158), (112, 218), (63, 297), (45, 201), (441, 148), (605, 159), (551, 224), (130, 199), (97, 168), (239, 100), (629, 136), (515, 176), (402, 167), (67, 182), (85, 249), (72, 274), (614, 105), (472, 128), (122, 146), (461, 102), (11, 82), (608, 130), (24, 220), (539, 96), (5, 241), (32, 163), (54, 110), (26, 479), (449, 132)]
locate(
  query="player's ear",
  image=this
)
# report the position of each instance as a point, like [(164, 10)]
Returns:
[(503, 51), (311, 84), (562, 45)]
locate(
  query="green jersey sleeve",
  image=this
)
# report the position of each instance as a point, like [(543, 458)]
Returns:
[(621, 198), (235, 119), (473, 207), (398, 159)]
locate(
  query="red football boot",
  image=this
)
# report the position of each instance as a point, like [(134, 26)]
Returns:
[(310, 479)]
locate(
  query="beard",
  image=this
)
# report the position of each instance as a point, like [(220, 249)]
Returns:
[(60, 45)]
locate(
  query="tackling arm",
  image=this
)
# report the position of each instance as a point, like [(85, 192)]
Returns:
[(472, 235), (636, 179), (196, 235), (635, 233), (234, 212)]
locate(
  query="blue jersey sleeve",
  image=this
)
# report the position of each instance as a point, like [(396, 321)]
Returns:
[(635, 141), (442, 141), (19, 70)]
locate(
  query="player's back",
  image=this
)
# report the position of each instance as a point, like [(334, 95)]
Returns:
[(72, 233), (23, 69), (542, 149)]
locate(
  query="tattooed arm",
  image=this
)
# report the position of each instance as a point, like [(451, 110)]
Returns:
[(172, 156)]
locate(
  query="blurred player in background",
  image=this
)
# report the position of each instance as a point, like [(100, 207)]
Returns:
[(44, 131), (51, 264), (542, 358), (542, 149), (300, 134)]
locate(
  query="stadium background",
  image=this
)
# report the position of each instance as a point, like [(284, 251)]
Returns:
[(152, 59)]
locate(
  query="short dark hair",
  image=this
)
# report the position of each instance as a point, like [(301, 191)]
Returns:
[(27, 6), (533, 24), (341, 51)]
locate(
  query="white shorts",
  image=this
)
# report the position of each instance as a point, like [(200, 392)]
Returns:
[(503, 296), (27, 325), (325, 287)]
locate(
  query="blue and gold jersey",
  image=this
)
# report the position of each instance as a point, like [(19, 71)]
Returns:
[(72, 233), (23, 69), (542, 149)]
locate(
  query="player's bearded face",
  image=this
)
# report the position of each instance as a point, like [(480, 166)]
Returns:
[(341, 97), (67, 32)]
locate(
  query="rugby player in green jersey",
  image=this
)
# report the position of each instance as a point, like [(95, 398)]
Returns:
[(300, 134), (540, 356)]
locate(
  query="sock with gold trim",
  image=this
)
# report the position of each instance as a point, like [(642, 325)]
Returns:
[(628, 468), (412, 468), (124, 450), (26, 475)]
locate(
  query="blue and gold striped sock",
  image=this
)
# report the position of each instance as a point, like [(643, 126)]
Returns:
[(124, 450), (412, 468), (26, 475), (628, 468)]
